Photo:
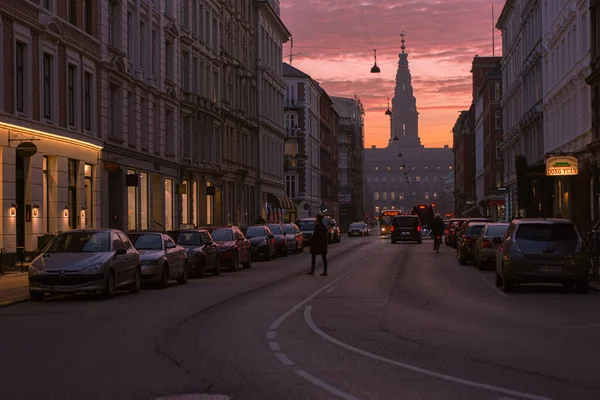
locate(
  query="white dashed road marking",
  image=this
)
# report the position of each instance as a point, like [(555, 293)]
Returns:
[(331, 289), (325, 386), (450, 378), (493, 286), (274, 346), (271, 335), (284, 359)]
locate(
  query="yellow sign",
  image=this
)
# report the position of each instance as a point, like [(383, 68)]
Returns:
[(562, 166)]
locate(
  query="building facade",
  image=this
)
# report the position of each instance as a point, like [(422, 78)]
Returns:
[(594, 81), (405, 173), (271, 35), (351, 149), (463, 133), (567, 104), (510, 24), (330, 127), (50, 139), (302, 143)]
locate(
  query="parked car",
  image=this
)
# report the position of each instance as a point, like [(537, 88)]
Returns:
[(485, 248), (234, 247), (406, 228), (161, 258), (294, 238), (307, 227), (466, 241), (358, 229), (542, 251), (262, 241), (86, 260), (280, 241), (201, 251)]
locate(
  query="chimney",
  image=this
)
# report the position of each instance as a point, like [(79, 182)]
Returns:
[(373, 147), (445, 146)]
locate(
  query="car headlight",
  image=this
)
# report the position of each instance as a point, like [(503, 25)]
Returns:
[(34, 270), (91, 270), (150, 262)]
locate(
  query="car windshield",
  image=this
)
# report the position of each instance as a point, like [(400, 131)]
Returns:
[(146, 241), (406, 221), (222, 235), (359, 226), (255, 231), (496, 230), (275, 229), (80, 242), (306, 225), (189, 239), (547, 232), (289, 229)]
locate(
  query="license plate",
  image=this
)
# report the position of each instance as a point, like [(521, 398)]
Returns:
[(64, 288), (549, 268), (406, 233)]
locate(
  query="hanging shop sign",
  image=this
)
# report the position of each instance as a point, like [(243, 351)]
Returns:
[(562, 166), (26, 149)]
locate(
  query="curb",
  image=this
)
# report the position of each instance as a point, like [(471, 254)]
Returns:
[(8, 303)]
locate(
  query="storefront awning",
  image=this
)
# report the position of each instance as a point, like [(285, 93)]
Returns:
[(280, 201)]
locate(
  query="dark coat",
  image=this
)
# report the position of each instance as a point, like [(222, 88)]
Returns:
[(438, 227), (318, 241)]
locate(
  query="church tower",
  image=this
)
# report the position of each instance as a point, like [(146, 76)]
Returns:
[(404, 118)]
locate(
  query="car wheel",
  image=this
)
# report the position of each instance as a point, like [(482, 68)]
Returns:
[(109, 286), (183, 279), (582, 287), (234, 266), (37, 296), (249, 263), (507, 286), (218, 266), (164, 279), (137, 281)]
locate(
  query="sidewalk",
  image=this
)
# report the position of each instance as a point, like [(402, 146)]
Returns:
[(595, 285), (14, 288)]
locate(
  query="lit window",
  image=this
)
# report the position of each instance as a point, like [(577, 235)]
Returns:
[(377, 209), (376, 168), (389, 168)]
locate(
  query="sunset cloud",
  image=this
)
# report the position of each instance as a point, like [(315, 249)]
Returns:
[(442, 37)]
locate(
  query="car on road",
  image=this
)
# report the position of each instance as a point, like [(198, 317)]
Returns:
[(466, 241), (234, 247), (201, 251), (406, 228), (358, 229), (161, 258), (307, 227), (334, 233), (485, 246), (86, 260), (280, 241), (262, 241), (294, 238), (542, 251)]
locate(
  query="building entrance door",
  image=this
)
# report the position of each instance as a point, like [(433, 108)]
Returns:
[(20, 201)]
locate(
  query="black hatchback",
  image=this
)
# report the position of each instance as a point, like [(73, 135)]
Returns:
[(406, 228)]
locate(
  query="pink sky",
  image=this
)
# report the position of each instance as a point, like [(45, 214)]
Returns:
[(442, 37)]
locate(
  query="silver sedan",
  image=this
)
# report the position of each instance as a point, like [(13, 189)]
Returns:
[(162, 260), (90, 260)]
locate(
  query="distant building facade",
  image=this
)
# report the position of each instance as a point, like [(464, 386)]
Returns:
[(593, 79), (330, 126), (463, 134), (406, 173)]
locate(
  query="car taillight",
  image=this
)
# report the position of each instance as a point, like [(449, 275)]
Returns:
[(486, 244), (419, 228), (392, 228)]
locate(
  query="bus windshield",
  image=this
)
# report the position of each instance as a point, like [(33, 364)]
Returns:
[(425, 213), (387, 216)]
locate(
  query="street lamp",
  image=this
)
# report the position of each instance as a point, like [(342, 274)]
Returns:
[(375, 69)]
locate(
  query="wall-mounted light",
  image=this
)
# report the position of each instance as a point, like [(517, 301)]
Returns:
[(35, 210), (66, 212), (82, 212), (13, 209)]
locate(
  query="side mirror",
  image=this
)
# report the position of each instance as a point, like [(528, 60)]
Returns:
[(171, 245), (120, 252), (497, 240)]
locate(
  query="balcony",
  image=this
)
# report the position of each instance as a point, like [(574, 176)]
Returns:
[(293, 103)]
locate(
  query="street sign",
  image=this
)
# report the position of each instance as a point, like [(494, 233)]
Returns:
[(26, 149), (562, 166)]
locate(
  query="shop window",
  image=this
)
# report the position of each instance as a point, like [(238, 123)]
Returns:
[(194, 197), (185, 217), (89, 204), (376, 209), (210, 206), (144, 214), (131, 204), (385, 197), (72, 200), (168, 204)]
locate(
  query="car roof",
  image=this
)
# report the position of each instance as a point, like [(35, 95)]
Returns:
[(547, 221), (145, 233), (189, 230), (220, 227)]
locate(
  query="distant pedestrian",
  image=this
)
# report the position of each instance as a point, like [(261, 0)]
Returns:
[(318, 245)]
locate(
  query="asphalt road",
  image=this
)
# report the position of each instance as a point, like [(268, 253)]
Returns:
[(389, 322)]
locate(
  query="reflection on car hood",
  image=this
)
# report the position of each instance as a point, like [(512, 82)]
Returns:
[(191, 247), (256, 240), (151, 254), (70, 261)]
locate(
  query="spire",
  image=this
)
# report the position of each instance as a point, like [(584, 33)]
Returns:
[(403, 47)]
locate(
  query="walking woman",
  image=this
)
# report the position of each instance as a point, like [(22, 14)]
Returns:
[(318, 245)]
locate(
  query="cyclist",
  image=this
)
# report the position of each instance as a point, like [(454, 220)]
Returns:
[(437, 229)]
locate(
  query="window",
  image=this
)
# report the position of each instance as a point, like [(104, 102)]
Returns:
[(114, 15), (207, 27), (48, 5), (392, 195), (168, 204), (72, 12), (186, 123), (87, 101), (185, 71), (45, 195), (131, 119), (376, 196), (144, 123), (185, 13), (185, 217), (194, 199), (48, 85), (72, 199), (71, 95), (21, 57), (290, 184), (376, 168), (195, 80), (377, 209), (87, 16), (498, 150), (215, 34), (385, 195), (89, 204), (497, 91), (114, 102), (170, 145), (417, 178), (168, 6), (131, 204), (497, 119), (498, 179), (156, 128), (170, 61), (130, 35), (142, 45)]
